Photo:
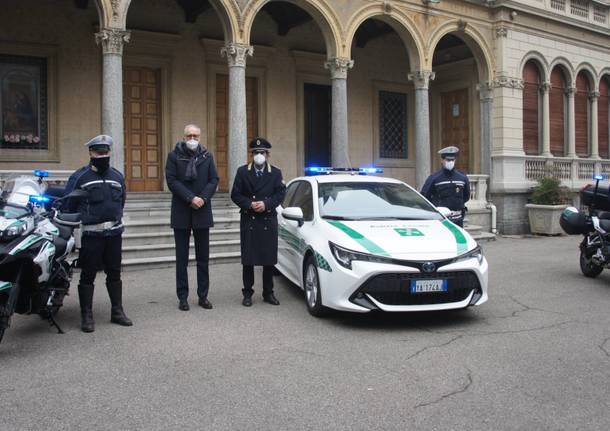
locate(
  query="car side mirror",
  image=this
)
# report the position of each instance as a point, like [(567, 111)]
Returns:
[(294, 214), (445, 212)]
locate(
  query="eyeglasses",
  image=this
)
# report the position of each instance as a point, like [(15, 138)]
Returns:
[(192, 136)]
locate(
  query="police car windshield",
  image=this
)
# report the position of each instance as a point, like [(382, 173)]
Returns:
[(373, 201)]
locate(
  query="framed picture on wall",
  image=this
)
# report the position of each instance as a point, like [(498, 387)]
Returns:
[(23, 103)]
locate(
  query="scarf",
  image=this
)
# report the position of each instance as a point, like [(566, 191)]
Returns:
[(194, 159)]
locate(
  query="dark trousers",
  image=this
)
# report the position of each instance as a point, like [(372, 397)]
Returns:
[(202, 255), (248, 278), (100, 252)]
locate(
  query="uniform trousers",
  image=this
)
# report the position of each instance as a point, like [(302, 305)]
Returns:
[(100, 252), (182, 238)]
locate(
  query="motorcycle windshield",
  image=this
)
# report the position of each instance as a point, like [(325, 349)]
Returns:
[(16, 193)]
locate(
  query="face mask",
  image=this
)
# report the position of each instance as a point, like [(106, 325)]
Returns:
[(449, 165), (101, 163), (192, 144), (259, 159)]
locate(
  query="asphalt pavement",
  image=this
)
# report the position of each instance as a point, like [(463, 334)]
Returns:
[(536, 356)]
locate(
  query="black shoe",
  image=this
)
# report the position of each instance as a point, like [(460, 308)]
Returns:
[(204, 303), (271, 299), (184, 305), (118, 316), (87, 324), (247, 301)]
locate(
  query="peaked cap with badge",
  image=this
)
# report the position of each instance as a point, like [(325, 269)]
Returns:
[(260, 144), (449, 153), (100, 142)]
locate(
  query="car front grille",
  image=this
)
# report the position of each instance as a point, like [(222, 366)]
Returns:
[(394, 289)]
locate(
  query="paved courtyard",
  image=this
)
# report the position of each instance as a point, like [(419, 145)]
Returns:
[(535, 357)]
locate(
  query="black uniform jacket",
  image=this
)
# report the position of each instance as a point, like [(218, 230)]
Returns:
[(258, 231), (183, 216), (105, 199), (447, 188)]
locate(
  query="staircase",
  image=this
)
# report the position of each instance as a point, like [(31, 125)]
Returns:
[(148, 241)]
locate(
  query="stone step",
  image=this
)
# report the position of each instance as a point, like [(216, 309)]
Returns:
[(136, 264), (167, 237), (164, 213), (484, 237), (156, 225), (158, 204), (166, 250)]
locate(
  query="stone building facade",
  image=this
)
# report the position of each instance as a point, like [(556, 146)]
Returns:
[(519, 86)]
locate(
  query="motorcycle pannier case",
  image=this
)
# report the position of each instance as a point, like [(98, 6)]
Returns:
[(601, 198), (574, 222)]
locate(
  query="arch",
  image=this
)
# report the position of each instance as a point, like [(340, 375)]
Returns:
[(567, 69), (473, 39), (603, 74), (321, 12), (590, 73), (399, 21), (533, 77), (541, 62), (227, 11)]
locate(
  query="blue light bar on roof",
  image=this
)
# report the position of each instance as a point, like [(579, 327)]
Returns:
[(599, 177), (41, 174), (316, 170)]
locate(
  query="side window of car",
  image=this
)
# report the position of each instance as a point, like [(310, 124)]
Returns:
[(290, 194), (303, 198)]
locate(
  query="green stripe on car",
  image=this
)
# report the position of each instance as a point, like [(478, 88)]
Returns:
[(361, 239), (460, 239)]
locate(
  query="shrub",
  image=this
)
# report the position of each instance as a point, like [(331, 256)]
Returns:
[(549, 191)]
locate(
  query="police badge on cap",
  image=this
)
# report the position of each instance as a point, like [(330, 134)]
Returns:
[(449, 153), (100, 142), (260, 144)]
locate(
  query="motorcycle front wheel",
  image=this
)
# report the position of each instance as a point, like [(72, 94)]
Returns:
[(588, 268)]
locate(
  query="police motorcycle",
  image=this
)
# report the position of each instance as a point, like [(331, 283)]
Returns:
[(36, 240), (594, 225)]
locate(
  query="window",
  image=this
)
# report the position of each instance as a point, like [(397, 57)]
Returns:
[(392, 125), (581, 108), (303, 198), (23, 103), (290, 194), (531, 109), (603, 108), (557, 102)]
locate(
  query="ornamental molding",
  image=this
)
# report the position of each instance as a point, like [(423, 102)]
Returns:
[(115, 7), (485, 90), (338, 67), (545, 87), (594, 95), (237, 53), (112, 40), (504, 81), (570, 91), (501, 32), (387, 7), (421, 78)]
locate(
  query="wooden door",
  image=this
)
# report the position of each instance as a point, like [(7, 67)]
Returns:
[(602, 114), (531, 94), (318, 114), (581, 110), (557, 112), (142, 119), (221, 154), (456, 125)]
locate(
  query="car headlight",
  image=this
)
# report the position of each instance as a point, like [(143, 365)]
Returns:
[(345, 257), (477, 253), (13, 232)]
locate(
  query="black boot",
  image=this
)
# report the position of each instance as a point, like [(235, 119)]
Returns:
[(115, 291), (85, 297)]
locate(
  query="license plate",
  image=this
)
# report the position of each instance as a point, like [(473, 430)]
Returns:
[(428, 286)]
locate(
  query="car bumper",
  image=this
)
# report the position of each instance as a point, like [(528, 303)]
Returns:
[(385, 287)]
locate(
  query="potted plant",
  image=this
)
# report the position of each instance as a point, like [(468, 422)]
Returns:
[(547, 202)]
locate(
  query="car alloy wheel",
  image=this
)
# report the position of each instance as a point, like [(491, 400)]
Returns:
[(313, 293)]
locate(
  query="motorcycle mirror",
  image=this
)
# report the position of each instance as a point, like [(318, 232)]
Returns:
[(598, 177)]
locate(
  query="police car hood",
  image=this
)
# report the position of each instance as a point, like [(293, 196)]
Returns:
[(407, 240)]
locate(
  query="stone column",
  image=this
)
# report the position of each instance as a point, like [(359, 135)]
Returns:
[(571, 92), (486, 97), (545, 89), (339, 134), (594, 96), (238, 122), (112, 41), (421, 80)]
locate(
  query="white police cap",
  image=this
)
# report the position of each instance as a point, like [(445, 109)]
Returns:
[(449, 152), (100, 140)]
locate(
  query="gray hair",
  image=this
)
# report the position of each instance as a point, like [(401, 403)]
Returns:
[(192, 126)]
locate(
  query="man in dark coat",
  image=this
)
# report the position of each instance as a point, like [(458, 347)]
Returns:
[(101, 214), (258, 189), (192, 178), (448, 187)]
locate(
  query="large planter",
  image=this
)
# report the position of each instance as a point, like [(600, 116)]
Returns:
[(544, 219)]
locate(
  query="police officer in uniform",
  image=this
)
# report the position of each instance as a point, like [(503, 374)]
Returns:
[(448, 187), (102, 228), (258, 189)]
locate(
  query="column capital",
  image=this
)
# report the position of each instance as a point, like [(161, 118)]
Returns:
[(421, 78), (485, 90), (594, 95), (112, 40), (545, 87), (570, 91), (338, 67), (237, 53)]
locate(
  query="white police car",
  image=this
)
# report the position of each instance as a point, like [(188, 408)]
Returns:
[(359, 243)]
